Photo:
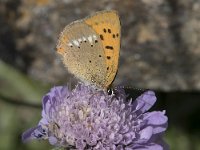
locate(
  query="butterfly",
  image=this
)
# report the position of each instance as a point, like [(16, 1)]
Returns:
[(90, 48)]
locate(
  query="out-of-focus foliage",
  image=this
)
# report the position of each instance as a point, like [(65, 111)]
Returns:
[(15, 117), (180, 140)]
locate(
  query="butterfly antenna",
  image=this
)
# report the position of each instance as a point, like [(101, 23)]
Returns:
[(130, 88)]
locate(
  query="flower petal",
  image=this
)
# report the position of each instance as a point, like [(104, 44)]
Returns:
[(144, 102), (128, 138), (27, 135), (146, 133), (34, 133), (53, 140), (157, 120), (151, 146)]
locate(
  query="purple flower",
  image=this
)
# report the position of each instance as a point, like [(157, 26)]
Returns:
[(85, 118)]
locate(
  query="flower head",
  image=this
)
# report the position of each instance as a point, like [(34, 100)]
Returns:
[(85, 118)]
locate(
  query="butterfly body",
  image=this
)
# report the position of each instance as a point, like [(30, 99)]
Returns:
[(90, 48)]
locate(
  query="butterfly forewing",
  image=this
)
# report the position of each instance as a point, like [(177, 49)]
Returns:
[(107, 26)]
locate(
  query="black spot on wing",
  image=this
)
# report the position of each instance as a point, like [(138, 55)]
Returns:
[(101, 37), (108, 57), (109, 47)]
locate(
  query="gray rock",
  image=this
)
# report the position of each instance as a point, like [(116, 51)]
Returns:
[(160, 46)]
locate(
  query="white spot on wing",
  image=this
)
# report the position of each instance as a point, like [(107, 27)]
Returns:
[(95, 37), (84, 39), (80, 40), (90, 39), (70, 44), (76, 42)]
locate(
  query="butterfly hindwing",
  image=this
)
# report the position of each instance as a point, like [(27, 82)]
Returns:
[(82, 53)]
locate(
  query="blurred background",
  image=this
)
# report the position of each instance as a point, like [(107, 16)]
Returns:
[(160, 50)]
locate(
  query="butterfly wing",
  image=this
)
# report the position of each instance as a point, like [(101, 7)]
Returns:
[(82, 52), (107, 26)]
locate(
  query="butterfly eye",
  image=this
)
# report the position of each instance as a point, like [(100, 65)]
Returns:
[(110, 92)]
